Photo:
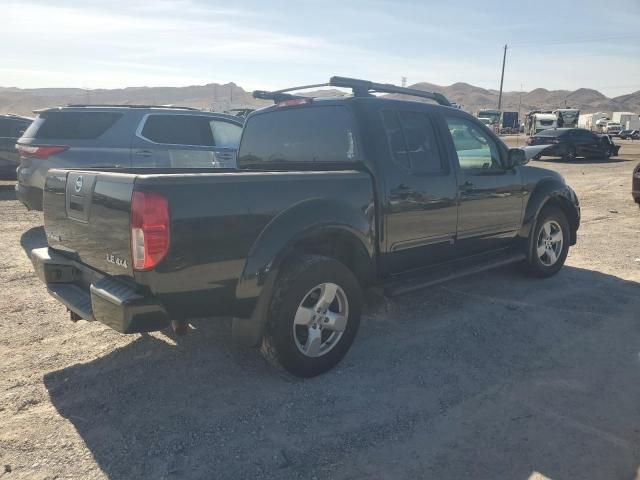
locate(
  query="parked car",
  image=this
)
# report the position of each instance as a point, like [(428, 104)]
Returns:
[(612, 128), (572, 143), (332, 195), (11, 128), (635, 184), (629, 134), (122, 136)]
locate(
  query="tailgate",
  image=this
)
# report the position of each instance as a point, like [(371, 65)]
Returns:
[(86, 215)]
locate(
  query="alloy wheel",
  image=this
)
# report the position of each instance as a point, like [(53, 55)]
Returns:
[(321, 319), (549, 244)]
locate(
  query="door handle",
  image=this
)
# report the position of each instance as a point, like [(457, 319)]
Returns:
[(143, 153)]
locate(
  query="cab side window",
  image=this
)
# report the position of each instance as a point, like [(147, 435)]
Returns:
[(475, 149), (412, 141)]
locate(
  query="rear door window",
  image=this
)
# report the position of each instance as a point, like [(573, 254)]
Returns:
[(178, 130), (300, 135), (68, 125), (225, 134), (412, 140)]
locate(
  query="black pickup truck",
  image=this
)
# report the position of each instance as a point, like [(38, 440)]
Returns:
[(331, 195)]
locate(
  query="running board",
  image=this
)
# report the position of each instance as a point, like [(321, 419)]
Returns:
[(443, 273)]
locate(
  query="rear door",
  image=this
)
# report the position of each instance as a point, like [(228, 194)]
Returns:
[(179, 140), (419, 204), (587, 144), (14, 132), (490, 195)]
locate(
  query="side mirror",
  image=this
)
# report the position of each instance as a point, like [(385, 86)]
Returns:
[(517, 157)]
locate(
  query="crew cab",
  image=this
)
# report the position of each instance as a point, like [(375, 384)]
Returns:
[(331, 196)]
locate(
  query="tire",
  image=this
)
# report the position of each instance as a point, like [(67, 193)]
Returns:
[(571, 154), (545, 257), (304, 335)]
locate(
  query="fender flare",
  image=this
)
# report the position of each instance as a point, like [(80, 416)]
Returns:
[(307, 219), (550, 191)]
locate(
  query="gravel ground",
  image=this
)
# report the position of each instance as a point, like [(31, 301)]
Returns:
[(493, 376)]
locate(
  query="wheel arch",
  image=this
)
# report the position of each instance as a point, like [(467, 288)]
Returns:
[(553, 193), (317, 226)]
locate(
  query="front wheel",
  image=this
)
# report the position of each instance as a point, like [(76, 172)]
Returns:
[(571, 153), (548, 243), (314, 316)]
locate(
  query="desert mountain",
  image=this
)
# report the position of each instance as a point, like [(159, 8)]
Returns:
[(225, 96), (211, 96)]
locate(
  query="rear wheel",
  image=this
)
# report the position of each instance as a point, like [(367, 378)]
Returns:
[(314, 316), (548, 243)]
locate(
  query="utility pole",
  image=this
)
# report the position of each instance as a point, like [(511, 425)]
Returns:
[(403, 81), (504, 59)]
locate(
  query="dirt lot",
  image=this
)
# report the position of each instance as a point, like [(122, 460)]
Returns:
[(495, 376)]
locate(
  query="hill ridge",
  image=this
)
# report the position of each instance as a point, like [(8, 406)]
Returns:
[(231, 95)]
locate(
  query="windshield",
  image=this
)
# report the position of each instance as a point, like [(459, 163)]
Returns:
[(568, 116), (493, 116)]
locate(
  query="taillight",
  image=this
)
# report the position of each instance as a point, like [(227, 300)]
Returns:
[(39, 151), (149, 229), (530, 141)]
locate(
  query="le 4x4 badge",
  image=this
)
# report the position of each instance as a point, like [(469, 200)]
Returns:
[(121, 262)]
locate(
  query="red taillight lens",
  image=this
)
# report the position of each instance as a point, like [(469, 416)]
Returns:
[(294, 102), (39, 151), (149, 229)]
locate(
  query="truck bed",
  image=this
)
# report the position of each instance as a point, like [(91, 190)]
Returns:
[(217, 218)]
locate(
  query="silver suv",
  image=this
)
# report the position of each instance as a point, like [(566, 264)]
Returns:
[(85, 136)]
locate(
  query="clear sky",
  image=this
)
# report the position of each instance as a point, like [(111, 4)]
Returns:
[(561, 44)]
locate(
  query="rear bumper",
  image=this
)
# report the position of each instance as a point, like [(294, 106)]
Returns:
[(95, 296), (31, 197)]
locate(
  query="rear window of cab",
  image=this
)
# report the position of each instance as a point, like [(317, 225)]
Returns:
[(308, 135)]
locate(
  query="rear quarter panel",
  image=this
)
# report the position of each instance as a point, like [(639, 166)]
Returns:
[(228, 230)]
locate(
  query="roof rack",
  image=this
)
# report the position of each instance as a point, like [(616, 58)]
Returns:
[(280, 95), (360, 88), (128, 106), (15, 115)]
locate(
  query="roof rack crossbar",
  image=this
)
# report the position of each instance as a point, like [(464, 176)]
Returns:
[(281, 95), (275, 96), (360, 88), (364, 87)]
